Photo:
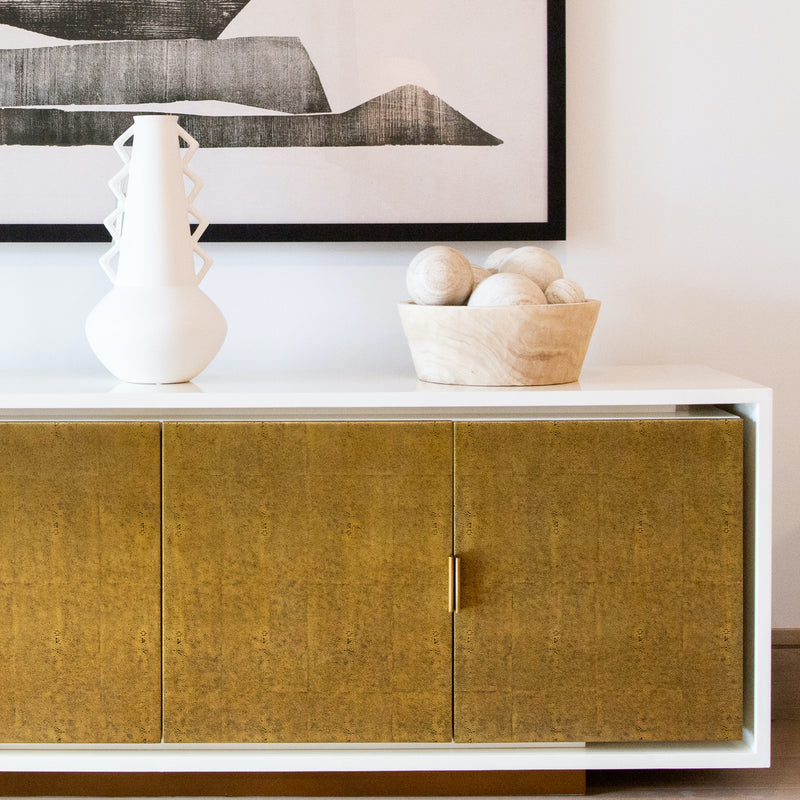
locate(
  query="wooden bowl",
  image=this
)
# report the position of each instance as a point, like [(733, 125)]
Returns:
[(530, 345)]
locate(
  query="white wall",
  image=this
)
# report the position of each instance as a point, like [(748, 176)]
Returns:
[(684, 195)]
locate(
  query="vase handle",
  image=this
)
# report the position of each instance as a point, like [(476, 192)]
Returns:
[(113, 221), (197, 185), (207, 262)]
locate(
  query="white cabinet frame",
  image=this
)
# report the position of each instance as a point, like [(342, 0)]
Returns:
[(614, 392)]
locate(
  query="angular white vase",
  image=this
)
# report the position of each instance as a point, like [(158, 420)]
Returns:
[(156, 325)]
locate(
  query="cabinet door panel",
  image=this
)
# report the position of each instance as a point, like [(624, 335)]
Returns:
[(602, 580), (80, 582), (306, 581)]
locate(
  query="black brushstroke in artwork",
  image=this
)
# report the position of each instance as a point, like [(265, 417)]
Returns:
[(94, 20), (408, 115), (269, 72), (164, 51)]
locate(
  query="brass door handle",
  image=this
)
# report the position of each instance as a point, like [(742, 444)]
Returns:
[(454, 584)]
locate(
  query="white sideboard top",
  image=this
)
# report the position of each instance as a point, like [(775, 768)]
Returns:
[(639, 386)]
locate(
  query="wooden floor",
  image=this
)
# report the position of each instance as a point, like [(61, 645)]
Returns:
[(780, 782)]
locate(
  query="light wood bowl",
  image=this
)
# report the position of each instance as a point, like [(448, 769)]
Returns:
[(530, 345)]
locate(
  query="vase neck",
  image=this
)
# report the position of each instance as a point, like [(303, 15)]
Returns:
[(156, 246)]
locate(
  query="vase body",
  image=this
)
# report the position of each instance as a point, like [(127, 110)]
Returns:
[(156, 325)]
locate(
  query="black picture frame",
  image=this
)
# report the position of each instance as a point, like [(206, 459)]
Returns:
[(552, 229)]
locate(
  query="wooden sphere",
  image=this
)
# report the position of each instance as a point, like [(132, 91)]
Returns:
[(564, 290), (479, 274), (507, 289), (439, 276), (541, 266), (496, 258)]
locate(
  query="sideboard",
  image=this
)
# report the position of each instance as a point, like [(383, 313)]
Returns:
[(338, 573)]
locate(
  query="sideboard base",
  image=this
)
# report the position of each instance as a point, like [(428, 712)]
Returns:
[(294, 784)]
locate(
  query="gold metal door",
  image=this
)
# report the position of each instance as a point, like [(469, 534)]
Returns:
[(601, 595), (80, 582), (306, 581)]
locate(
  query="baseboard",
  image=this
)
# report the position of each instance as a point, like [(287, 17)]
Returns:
[(786, 637), (341, 784)]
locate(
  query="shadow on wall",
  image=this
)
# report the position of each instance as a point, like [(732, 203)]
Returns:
[(589, 114)]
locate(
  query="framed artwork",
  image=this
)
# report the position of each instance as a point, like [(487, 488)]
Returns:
[(318, 120)]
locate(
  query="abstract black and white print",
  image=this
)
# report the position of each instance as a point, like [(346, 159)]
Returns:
[(443, 78), (162, 51)]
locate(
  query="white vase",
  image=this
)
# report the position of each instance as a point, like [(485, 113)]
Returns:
[(156, 325)]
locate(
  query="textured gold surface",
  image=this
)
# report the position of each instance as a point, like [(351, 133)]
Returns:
[(602, 580), (80, 582), (306, 581)]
